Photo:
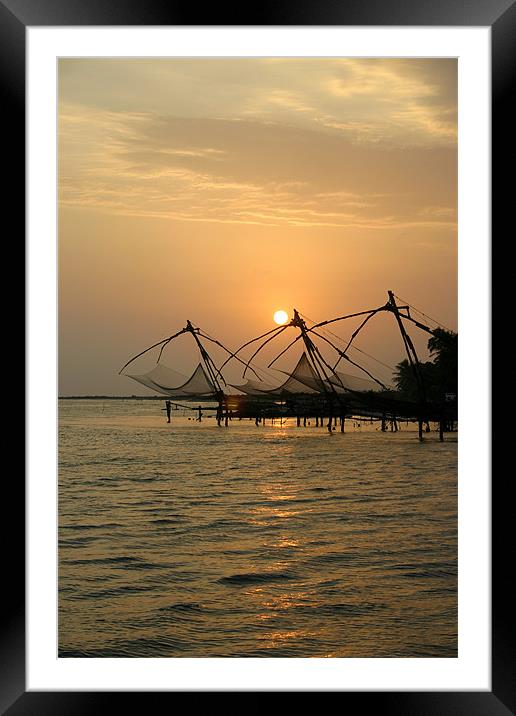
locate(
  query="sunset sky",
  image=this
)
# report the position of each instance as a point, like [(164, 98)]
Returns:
[(221, 190)]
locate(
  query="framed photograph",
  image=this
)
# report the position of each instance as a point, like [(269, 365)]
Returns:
[(256, 460)]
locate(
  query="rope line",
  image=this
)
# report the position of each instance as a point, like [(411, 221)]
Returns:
[(355, 347), (423, 314)]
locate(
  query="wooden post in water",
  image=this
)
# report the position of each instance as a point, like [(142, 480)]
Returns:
[(298, 421), (200, 413), (342, 419), (384, 424), (420, 428)]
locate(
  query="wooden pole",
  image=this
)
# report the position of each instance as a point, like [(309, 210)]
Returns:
[(409, 348)]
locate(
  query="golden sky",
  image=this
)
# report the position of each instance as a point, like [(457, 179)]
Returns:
[(220, 190)]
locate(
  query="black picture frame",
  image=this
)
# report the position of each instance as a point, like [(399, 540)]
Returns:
[(500, 16)]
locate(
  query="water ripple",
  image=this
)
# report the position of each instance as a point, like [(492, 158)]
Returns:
[(185, 540)]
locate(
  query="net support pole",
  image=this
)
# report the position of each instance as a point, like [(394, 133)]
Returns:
[(412, 358)]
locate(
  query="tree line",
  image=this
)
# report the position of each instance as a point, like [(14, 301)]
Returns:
[(439, 374)]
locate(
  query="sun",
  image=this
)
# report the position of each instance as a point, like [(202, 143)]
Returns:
[(281, 317)]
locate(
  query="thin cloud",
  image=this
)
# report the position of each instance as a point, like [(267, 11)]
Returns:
[(317, 151)]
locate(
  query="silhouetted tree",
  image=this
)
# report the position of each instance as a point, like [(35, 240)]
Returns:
[(406, 382), (443, 347), (440, 375)]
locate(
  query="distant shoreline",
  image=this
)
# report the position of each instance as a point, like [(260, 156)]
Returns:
[(112, 397)]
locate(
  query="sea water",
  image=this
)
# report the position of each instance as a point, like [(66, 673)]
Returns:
[(192, 540)]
